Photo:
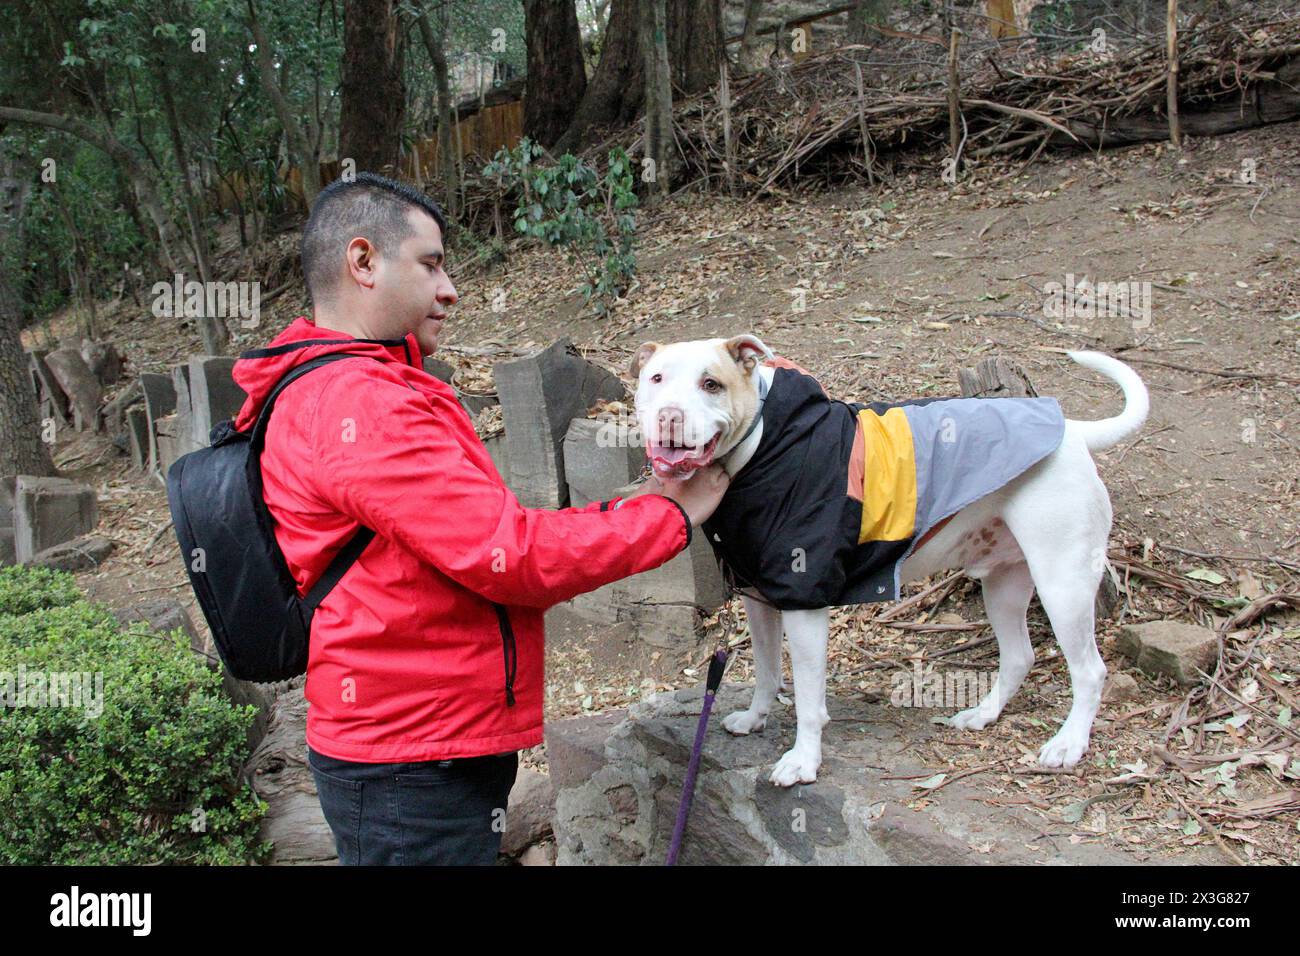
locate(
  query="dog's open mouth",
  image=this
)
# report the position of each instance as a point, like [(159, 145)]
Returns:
[(680, 460)]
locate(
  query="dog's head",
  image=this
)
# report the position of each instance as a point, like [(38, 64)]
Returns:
[(694, 400)]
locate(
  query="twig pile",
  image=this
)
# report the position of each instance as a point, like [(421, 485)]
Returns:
[(813, 120)]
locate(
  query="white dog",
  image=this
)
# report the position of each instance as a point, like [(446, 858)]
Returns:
[(1044, 527)]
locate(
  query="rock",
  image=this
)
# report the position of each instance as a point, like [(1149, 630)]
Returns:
[(599, 458), (83, 389), (168, 441), (50, 511), (163, 615), (159, 402), (529, 812), (115, 410), (618, 781), (280, 775), (8, 554), (103, 360), (1120, 688), (663, 604), (540, 395), (543, 854), (214, 396), (575, 747), (137, 434), (440, 369), (50, 395), (496, 449), (80, 554), (182, 428), (1170, 648)]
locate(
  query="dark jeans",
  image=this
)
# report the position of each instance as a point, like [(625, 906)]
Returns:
[(430, 813)]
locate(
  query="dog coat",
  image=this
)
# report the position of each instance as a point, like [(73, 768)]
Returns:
[(838, 494)]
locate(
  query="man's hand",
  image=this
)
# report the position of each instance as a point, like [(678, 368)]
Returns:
[(700, 494)]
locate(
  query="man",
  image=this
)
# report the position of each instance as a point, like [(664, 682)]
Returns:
[(425, 671)]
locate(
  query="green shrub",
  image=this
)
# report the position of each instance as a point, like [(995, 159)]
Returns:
[(569, 204), (23, 589), (143, 766)]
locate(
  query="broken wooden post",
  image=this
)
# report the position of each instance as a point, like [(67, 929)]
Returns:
[(997, 377)]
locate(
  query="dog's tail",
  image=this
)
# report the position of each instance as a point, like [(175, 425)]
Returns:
[(1109, 431)]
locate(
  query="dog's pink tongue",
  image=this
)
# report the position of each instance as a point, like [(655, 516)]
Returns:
[(671, 455)]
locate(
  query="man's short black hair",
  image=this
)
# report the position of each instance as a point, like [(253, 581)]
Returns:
[(366, 205)]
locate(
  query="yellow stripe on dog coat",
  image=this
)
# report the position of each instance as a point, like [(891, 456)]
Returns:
[(889, 477)]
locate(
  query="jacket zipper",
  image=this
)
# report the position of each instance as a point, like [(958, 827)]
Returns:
[(510, 650)]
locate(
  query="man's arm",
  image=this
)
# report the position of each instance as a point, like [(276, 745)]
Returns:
[(405, 474)]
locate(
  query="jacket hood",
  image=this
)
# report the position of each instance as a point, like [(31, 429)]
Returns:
[(259, 370)]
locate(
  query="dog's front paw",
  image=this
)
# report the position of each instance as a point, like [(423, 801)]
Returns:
[(973, 718), (795, 767), (743, 722), (1063, 750)]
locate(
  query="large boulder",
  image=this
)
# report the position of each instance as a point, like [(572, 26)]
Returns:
[(618, 781)]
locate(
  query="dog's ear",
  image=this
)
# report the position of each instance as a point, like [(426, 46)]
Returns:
[(641, 356), (747, 350)]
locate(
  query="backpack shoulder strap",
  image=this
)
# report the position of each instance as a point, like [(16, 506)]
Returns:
[(349, 553)]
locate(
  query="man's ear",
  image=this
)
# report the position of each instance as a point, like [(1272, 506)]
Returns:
[(360, 260), (642, 355), (747, 350)]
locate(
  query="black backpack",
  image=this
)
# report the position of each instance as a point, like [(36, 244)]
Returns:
[(259, 623)]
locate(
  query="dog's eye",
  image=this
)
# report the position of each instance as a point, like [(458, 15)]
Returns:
[(657, 377), (712, 386)]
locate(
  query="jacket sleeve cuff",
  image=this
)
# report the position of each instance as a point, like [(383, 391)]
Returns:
[(685, 518)]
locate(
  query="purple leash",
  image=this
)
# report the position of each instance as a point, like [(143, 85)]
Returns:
[(711, 685)]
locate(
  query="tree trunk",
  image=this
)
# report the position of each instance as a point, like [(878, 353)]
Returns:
[(694, 43), (373, 97), (556, 79), (433, 42), (300, 152), (139, 176), (614, 95), (659, 94), (212, 328), (22, 452), (863, 16), (748, 58)]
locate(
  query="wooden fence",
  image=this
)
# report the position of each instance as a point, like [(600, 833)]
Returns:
[(476, 137)]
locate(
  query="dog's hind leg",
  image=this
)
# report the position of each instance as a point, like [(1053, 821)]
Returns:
[(765, 637), (1007, 590), (1070, 607), (807, 632)]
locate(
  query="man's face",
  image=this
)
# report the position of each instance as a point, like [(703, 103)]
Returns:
[(414, 290)]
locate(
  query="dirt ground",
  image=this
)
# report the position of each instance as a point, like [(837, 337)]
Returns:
[(885, 293)]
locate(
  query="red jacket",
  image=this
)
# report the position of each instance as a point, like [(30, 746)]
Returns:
[(430, 647)]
